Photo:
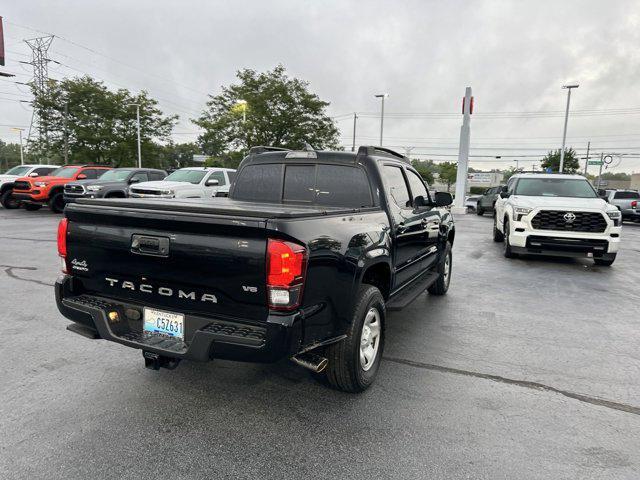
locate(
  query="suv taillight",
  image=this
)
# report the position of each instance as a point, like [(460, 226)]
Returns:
[(634, 204), (286, 269), (62, 243)]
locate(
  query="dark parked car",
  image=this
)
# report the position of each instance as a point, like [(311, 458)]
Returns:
[(112, 184), (301, 261), (487, 202)]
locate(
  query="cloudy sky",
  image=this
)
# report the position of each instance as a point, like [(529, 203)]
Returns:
[(514, 54)]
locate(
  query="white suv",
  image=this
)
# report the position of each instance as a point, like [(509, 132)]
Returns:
[(555, 214), (191, 182), (7, 179)]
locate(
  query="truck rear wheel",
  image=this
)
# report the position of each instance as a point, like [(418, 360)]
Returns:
[(354, 361), (7, 200)]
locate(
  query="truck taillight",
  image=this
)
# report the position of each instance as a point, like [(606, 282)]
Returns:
[(634, 204), (62, 243), (286, 269)]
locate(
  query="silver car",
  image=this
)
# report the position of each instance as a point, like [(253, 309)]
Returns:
[(627, 202)]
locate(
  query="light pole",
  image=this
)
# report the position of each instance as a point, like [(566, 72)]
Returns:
[(566, 119), (517, 164), (137, 105), (20, 130), (381, 96)]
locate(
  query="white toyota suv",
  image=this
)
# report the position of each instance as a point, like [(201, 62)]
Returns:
[(190, 182), (556, 214)]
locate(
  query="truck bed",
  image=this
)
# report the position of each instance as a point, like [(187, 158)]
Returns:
[(217, 206)]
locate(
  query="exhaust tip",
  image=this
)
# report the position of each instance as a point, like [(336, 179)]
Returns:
[(311, 361)]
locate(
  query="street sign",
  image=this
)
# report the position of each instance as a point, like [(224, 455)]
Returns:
[(595, 162)]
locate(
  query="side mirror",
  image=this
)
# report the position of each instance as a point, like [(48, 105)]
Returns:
[(443, 199), (420, 202), (134, 180), (82, 176), (33, 174), (212, 182), (504, 193)]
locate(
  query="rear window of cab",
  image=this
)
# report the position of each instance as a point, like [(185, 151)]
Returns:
[(323, 184)]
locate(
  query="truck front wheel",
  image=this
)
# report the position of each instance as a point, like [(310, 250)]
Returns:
[(354, 361), (56, 202), (441, 285), (7, 200)]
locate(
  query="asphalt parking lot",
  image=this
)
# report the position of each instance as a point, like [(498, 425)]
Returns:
[(528, 368)]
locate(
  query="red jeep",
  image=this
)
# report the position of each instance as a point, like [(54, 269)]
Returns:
[(34, 192)]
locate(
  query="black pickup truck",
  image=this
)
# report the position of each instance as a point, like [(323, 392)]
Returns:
[(302, 261)]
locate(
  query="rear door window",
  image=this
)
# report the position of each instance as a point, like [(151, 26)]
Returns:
[(260, 182)]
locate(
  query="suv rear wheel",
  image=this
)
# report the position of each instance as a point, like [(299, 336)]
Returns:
[(7, 200), (354, 361)]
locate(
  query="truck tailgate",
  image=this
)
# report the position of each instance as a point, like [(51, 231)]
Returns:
[(182, 262)]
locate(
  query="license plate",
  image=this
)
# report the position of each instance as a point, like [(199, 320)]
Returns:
[(166, 323)]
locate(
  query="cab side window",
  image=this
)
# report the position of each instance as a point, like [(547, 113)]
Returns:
[(418, 188), (91, 173), (43, 171), (511, 185), (218, 176), (139, 177), (156, 175), (396, 186)]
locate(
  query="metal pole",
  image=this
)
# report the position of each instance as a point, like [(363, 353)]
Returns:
[(21, 150), (564, 133), (66, 134), (139, 148), (600, 172), (355, 117), (586, 163), (382, 121)]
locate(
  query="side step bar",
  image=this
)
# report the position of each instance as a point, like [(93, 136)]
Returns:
[(86, 332), (409, 293)]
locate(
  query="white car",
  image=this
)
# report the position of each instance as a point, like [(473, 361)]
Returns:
[(556, 214), (7, 179), (191, 182)]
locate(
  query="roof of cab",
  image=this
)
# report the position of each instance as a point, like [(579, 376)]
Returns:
[(571, 176), (325, 156)]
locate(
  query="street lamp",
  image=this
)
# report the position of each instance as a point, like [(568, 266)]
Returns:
[(137, 105), (20, 130), (566, 119), (381, 96)]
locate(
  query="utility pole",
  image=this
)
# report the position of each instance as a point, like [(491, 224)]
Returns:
[(382, 96), (463, 153), (586, 163), (137, 105), (353, 146), (566, 119), (600, 172), (40, 61), (66, 133)]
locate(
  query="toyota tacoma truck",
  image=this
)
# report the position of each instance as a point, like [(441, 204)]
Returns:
[(558, 215), (303, 261), (190, 182), (36, 192), (10, 176), (112, 184)]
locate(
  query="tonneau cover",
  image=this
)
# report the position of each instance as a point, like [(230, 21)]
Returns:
[(217, 206)]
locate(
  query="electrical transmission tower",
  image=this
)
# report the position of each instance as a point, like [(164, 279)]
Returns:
[(40, 62)]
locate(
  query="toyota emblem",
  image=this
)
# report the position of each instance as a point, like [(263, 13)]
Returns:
[(569, 217)]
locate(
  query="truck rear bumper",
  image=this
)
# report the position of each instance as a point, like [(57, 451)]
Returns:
[(280, 337)]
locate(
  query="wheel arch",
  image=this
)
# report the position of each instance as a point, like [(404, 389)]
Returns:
[(378, 274)]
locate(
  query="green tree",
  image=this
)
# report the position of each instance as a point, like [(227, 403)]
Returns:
[(448, 172), (425, 170), (9, 155), (620, 176), (552, 160), (510, 172), (267, 108), (100, 124)]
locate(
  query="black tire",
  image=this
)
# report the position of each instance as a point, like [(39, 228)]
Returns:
[(605, 262), (56, 202), (497, 234), (7, 200), (508, 253), (479, 211), (441, 285), (32, 207), (345, 371)]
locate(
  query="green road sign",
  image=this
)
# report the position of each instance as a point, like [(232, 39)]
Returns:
[(595, 162)]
